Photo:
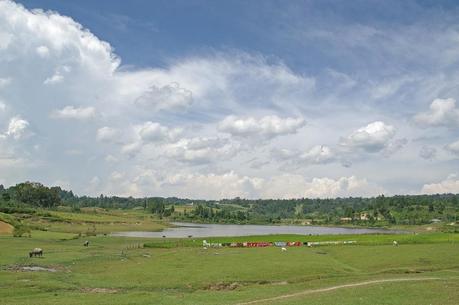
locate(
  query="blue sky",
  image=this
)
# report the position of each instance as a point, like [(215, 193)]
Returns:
[(146, 33), (214, 99)]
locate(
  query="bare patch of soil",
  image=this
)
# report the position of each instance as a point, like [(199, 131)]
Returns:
[(99, 290), (234, 285), (19, 268), (223, 286), (5, 228), (37, 268)]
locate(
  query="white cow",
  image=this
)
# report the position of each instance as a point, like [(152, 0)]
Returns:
[(283, 249)]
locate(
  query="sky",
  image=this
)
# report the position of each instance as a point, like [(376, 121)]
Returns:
[(224, 99)]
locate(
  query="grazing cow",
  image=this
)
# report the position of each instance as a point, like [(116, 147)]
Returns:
[(36, 252), (86, 243), (283, 249), (395, 243)]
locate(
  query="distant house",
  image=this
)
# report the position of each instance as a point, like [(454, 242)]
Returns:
[(364, 216)]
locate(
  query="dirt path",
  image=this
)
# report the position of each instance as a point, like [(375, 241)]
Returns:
[(306, 292)]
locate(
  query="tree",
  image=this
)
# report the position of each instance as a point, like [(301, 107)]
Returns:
[(6, 196), (36, 194)]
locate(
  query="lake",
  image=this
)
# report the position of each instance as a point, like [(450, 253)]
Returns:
[(212, 230)]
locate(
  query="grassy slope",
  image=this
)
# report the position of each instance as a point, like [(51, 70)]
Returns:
[(191, 275), (94, 220)]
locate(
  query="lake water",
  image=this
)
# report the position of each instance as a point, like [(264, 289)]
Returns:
[(213, 230)]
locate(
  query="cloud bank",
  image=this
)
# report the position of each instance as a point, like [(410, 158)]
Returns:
[(226, 123)]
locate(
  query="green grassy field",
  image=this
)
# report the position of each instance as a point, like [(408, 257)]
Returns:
[(90, 221), (114, 271), (424, 269)]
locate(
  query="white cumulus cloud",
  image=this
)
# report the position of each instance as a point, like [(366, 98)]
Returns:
[(153, 132), (265, 127), (201, 150), (318, 154), (449, 185), (107, 134), (72, 112), (442, 112), (372, 138), (17, 127), (296, 186), (170, 96)]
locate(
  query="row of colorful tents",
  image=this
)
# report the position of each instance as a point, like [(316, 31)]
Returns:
[(276, 244)]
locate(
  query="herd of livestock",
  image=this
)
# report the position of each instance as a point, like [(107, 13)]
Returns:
[(281, 244)]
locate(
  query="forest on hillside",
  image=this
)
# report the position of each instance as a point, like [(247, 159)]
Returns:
[(380, 210)]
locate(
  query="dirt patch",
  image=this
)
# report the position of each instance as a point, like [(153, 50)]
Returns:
[(413, 271), (280, 283), (36, 268), (5, 228), (234, 285), (18, 268), (223, 286), (99, 290)]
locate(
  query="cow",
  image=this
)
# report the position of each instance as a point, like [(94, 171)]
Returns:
[(86, 243), (283, 249), (395, 243), (36, 252)]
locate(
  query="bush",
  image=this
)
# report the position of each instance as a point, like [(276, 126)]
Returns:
[(19, 231), (16, 209)]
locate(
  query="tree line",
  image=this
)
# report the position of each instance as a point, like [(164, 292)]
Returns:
[(399, 209)]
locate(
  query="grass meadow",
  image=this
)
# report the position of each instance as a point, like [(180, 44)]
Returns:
[(423, 269)]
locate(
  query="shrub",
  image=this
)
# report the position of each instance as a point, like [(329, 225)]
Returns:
[(19, 231)]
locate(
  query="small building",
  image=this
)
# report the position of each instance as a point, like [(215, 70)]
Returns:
[(345, 219), (364, 216)]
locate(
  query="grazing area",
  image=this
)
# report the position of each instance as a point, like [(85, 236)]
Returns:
[(58, 248), (422, 269), (87, 221)]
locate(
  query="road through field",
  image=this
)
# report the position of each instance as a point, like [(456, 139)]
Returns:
[(311, 291)]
